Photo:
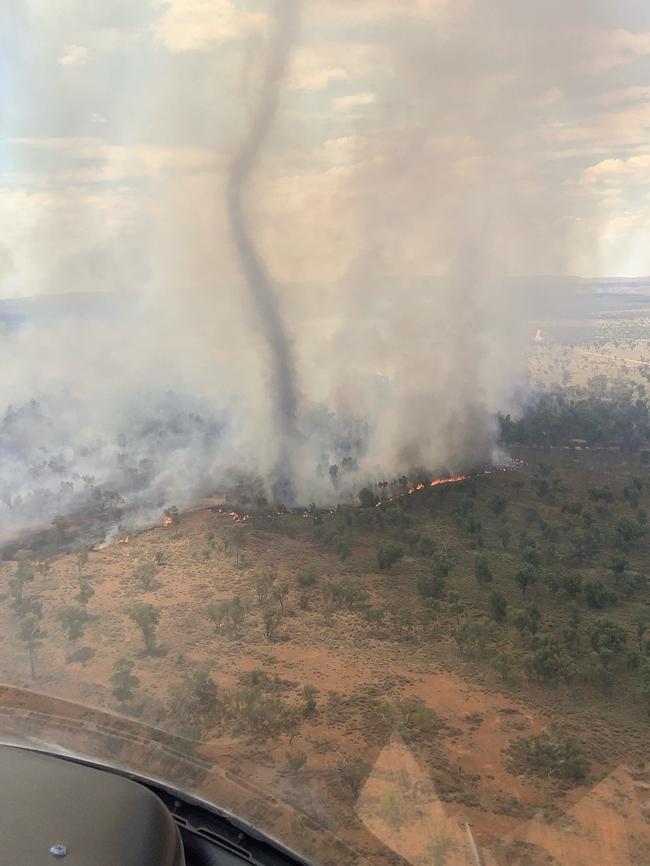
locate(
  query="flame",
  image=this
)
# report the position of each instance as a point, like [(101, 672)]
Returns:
[(167, 521), (238, 517), (451, 479), (539, 337), (124, 540)]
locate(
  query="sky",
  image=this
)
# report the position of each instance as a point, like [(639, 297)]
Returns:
[(118, 121)]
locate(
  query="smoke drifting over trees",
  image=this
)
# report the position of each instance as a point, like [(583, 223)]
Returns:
[(425, 158)]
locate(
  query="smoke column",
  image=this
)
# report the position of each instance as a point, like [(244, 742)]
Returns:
[(257, 277)]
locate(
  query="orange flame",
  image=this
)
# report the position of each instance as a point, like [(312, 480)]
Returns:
[(167, 521), (124, 540)]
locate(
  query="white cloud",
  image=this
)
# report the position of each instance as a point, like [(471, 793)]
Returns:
[(309, 76), (94, 161), (354, 100), (73, 55), (197, 25), (636, 168)]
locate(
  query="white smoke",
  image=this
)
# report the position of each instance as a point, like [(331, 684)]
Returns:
[(425, 159)]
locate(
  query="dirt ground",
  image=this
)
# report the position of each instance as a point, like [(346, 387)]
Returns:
[(451, 797)]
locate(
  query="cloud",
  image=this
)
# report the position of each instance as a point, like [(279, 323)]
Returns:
[(73, 55), (354, 100), (197, 25), (636, 169), (91, 160)]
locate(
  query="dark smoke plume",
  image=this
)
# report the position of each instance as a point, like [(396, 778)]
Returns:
[(259, 282)]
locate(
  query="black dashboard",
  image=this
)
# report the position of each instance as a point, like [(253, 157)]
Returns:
[(58, 809)]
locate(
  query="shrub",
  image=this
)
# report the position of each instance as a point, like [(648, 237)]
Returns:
[(553, 752)]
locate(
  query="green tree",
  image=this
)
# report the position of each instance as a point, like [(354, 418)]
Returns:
[(597, 595), (366, 498), (498, 504), (549, 660), (353, 774), (238, 540), (270, 620), (280, 593), (81, 555), (85, 593), (571, 584), (498, 606), (641, 622), (173, 514), (388, 554), (503, 664), (307, 576), (482, 571), (309, 694), (146, 617), (31, 635), (607, 638), (144, 574), (73, 620), (456, 607), (525, 577), (264, 584), (123, 680)]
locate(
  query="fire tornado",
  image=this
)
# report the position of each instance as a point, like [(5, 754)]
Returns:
[(285, 25)]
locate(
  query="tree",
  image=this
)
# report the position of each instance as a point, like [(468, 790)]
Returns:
[(549, 660), (173, 514), (503, 664), (144, 574), (353, 774), (204, 691), (24, 574), (504, 535), (498, 606), (295, 764), (146, 617), (597, 595), (270, 620), (31, 634), (388, 554), (228, 614), (264, 584), (525, 577), (81, 555), (123, 680), (472, 635), (280, 593), (431, 585), (498, 504), (528, 620), (85, 593), (73, 620), (238, 540), (607, 638), (641, 622), (456, 607), (309, 694), (482, 571), (571, 584), (307, 576), (553, 752), (366, 498)]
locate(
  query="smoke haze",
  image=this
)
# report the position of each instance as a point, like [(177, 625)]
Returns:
[(353, 288)]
